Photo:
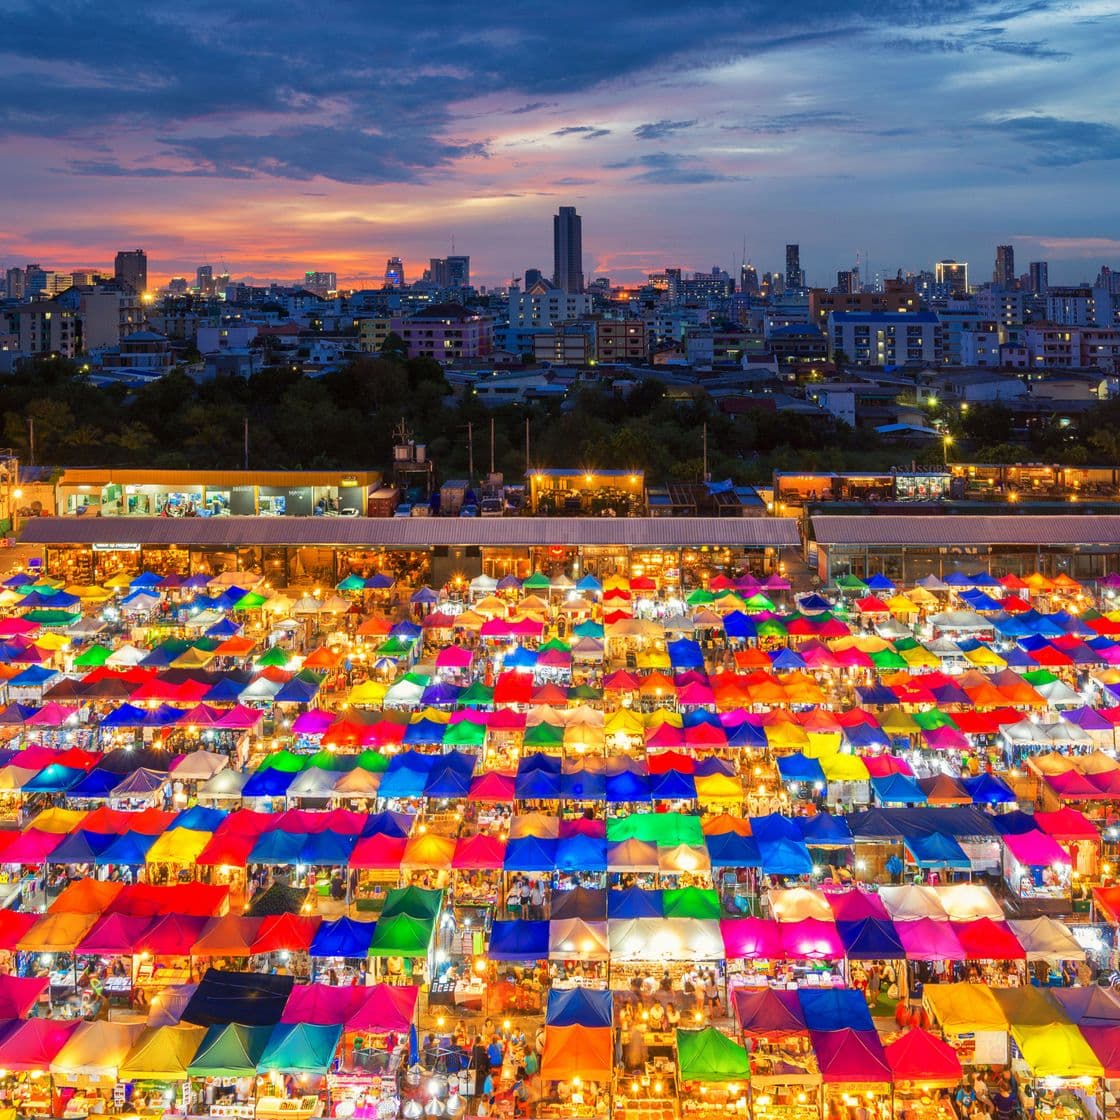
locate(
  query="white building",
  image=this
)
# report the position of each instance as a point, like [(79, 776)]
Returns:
[(544, 309), (886, 338), (980, 348), (225, 336)]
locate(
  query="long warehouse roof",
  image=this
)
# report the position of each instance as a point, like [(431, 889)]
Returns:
[(416, 532), (935, 530)]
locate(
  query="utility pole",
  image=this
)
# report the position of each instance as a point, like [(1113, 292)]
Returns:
[(245, 455), (526, 444), (31, 439), (470, 452), (491, 444), (707, 476)]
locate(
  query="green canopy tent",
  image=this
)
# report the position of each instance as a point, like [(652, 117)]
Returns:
[(351, 583), (464, 734), (230, 1050), (884, 659), (93, 657), (478, 695), (416, 902), (48, 617), (709, 1055), (699, 598), (250, 601), (538, 581), (759, 602), (286, 761), (274, 658), (402, 936), (300, 1048), (667, 830), (372, 761), (932, 719), (690, 902), (544, 735), (851, 583)]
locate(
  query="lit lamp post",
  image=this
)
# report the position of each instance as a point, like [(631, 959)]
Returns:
[(946, 440)]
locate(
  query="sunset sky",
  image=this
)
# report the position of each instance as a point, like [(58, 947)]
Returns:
[(275, 138)]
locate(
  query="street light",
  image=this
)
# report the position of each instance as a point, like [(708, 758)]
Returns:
[(946, 440)]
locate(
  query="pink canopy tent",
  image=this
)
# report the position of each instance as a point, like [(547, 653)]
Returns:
[(855, 905), (1067, 824), (926, 939), (985, 940), (1035, 849), (114, 935), (850, 1056), (811, 939), (494, 785), (19, 994), (454, 657), (388, 1007), (322, 1004), (34, 1043), (752, 939)]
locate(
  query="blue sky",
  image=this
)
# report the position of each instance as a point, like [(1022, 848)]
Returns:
[(278, 138)]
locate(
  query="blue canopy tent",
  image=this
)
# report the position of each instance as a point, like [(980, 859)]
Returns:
[(671, 786), (530, 853), (634, 902), (582, 785), (518, 941), (96, 785), (732, 850), (268, 783), (685, 653), (343, 937), (387, 823), (826, 830), (746, 734), (128, 850), (579, 1007), (774, 826), (799, 768), (898, 789), (81, 847), (740, 626), (424, 733), (451, 775), (871, 939), (406, 775), (538, 778), (987, 789), (200, 818), (936, 850), (581, 853), (629, 786), (784, 857), (277, 847), (56, 778), (833, 1009)]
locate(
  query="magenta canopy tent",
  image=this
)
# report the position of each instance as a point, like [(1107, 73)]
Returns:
[(35, 1043), (387, 1007), (850, 1056), (929, 940), (1035, 849), (19, 994), (855, 905), (322, 1004), (812, 940), (752, 939)]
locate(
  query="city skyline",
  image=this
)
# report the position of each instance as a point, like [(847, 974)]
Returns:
[(874, 129)]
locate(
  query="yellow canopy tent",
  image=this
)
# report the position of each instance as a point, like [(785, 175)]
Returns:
[(368, 692), (898, 722), (964, 1008), (180, 845), (662, 715), (844, 768), (162, 1053), (193, 658), (820, 744), (985, 658), (59, 821), (428, 850), (918, 657), (540, 825), (718, 788), (1056, 1050)]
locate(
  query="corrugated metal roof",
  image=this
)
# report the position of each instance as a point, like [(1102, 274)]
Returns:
[(417, 532), (124, 476), (1029, 529)]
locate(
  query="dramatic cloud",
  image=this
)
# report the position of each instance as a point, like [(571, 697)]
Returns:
[(352, 132), (1061, 143), (659, 130)]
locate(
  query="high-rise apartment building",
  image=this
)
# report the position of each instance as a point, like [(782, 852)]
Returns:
[(131, 268), (748, 279), (394, 273), (450, 272), (795, 278), (952, 276), (15, 283), (567, 250), (204, 279), (1040, 277), (320, 282), (1003, 275)]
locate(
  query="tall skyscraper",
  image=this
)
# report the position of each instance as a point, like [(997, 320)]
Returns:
[(394, 273), (131, 268), (1040, 277), (952, 275), (567, 250), (15, 283), (204, 279), (748, 279), (532, 276), (450, 272), (1003, 275), (795, 278)]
